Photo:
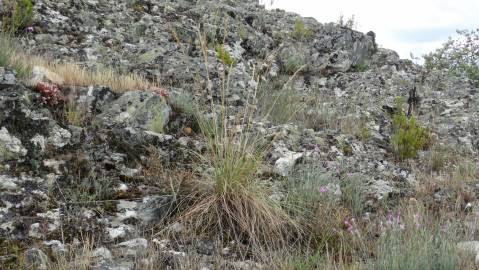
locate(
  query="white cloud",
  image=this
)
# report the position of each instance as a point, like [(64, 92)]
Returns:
[(417, 26)]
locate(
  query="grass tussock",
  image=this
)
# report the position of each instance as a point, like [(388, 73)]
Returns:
[(67, 73), (234, 201), (231, 198)]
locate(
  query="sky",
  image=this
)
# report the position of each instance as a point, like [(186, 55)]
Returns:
[(406, 26)]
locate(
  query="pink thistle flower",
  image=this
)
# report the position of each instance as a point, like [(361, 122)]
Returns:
[(323, 189)]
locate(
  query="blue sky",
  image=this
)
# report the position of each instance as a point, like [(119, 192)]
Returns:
[(406, 26)]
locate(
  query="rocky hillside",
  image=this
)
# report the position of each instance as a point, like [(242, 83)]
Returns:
[(87, 167)]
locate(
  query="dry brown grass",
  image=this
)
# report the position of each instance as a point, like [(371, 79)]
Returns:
[(68, 73)]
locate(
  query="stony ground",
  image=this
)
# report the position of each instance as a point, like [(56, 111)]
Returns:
[(88, 175)]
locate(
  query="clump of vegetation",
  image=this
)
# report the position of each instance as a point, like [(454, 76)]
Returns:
[(408, 137), (353, 193), (11, 57), (412, 241), (300, 31), (67, 73), (350, 23), (18, 15), (458, 56), (291, 65), (224, 56), (75, 114), (328, 226), (231, 198), (346, 148), (138, 6), (281, 105), (362, 66), (158, 122)]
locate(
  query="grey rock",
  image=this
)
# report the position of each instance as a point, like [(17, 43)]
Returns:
[(11, 148), (284, 165), (7, 78), (146, 110)]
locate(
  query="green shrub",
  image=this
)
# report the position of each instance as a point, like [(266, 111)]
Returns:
[(300, 30), (19, 15), (408, 137), (459, 56), (224, 56)]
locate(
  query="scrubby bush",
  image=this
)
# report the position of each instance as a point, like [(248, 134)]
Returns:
[(408, 137), (17, 15), (459, 56)]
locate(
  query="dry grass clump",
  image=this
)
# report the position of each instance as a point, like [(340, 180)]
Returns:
[(73, 74), (233, 201), (67, 73)]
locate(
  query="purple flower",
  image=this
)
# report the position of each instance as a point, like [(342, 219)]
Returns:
[(323, 189), (30, 29)]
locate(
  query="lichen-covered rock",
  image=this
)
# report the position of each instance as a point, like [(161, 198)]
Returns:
[(146, 110), (7, 78), (11, 148)]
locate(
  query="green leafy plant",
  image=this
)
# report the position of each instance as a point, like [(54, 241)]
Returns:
[(18, 15), (458, 56), (408, 137), (224, 56)]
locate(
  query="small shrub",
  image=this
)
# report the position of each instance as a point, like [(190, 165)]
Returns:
[(138, 6), (459, 56), (51, 93), (362, 67), (19, 15), (408, 137), (300, 31), (346, 148), (364, 134), (224, 56)]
